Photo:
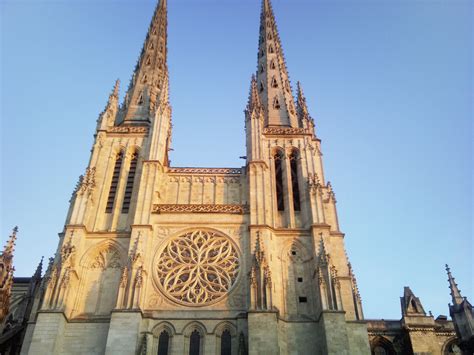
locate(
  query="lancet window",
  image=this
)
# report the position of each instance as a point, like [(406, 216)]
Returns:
[(294, 181), (163, 343), (129, 187), (278, 158), (114, 183), (226, 341), (195, 343)]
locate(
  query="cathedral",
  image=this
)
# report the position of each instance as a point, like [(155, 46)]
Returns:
[(159, 259)]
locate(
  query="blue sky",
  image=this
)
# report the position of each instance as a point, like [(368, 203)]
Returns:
[(389, 84)]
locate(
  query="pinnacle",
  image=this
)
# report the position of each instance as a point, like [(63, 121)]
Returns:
[(10, 246), (455, 291)]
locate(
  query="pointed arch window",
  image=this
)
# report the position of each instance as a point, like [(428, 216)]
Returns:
[(261, 87), (114, 183), (269, 36), (140, 99), (261, 69), (278, 159), (129, 187), (274, 82), (272, 64), (226, 343), (276, 103), (195, 343), (270, 49), (163, 343), (148, 61), (294, 181)]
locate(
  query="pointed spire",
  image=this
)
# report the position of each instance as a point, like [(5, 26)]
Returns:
[(150, 71), (304, 117), (10, 246), (254, 100), (453, 286), (107, 117), (272, 76), (39, 269)]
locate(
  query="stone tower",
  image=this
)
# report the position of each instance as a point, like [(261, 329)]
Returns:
[(155, 259)]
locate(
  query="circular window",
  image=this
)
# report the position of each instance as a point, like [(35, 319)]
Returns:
[(197, 268)]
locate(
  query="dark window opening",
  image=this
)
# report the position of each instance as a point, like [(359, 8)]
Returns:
[(279, 181), (114, 183), (194, 343), (294, 182), (163, 343), (226, 340), (300, 279), (302, 299), (129, 187)]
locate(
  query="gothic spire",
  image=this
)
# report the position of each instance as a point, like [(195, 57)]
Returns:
[(147, 82), (254, 100), (272, 76), (453, 286)]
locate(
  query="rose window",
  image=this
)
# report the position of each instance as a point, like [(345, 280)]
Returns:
[(197, 268)]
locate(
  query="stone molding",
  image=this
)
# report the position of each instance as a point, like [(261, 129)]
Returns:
[(200, 208), (214, 171), (128, 129)]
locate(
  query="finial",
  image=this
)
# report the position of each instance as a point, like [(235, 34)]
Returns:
[(455, 291)]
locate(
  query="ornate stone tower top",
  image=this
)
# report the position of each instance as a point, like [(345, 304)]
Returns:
[(150, 75), (272, 76)]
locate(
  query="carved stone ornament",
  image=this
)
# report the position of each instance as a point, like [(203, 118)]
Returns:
[(218, 171), (197, 268), (128, 129), (87, 182), (285, 131), (200, 208)]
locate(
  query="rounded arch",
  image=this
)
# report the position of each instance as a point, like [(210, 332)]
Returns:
[(95, 255), (223, 326), (163, 326), (192, 326), (381, 344)]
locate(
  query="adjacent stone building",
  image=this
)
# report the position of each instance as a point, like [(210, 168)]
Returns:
[(157, 259)]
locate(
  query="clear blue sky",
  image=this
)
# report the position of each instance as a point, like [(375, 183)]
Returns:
[(389, 84)]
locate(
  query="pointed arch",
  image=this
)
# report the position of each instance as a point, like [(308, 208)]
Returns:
[(276, 103), (130, 181), (100, 276), (278, 157), (194, 334), (115, 181), (294, 159), (381, 346), (274, 82)]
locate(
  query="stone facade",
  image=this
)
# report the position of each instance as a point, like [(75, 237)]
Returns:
[(168, 260)]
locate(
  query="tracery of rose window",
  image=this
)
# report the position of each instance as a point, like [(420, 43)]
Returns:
[(197, 268)]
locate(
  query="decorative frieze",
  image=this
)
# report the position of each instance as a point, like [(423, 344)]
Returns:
[(285, 131), (128, 129), (200, 208), (213, 171)]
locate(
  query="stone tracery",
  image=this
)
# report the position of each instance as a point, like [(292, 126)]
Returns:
[(197, 268)]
